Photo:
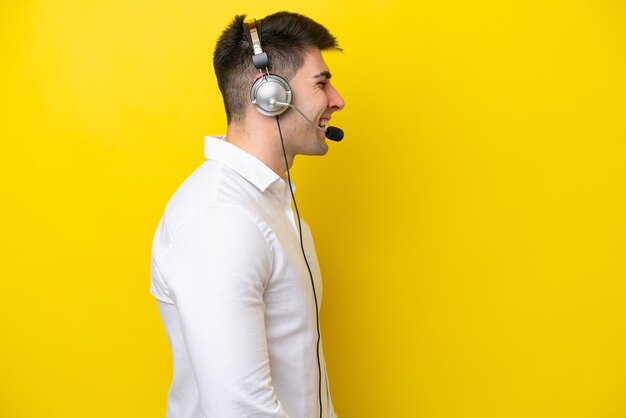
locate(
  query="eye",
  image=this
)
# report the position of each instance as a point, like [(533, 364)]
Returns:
[(322, 84)]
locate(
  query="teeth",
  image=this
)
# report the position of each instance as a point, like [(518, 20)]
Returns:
[(323, 123)]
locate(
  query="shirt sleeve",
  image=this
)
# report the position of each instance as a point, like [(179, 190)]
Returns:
[(218, 266)]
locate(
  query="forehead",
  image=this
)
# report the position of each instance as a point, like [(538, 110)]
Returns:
[(314, 66)]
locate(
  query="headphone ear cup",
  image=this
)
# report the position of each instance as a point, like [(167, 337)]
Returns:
[(268, 89)]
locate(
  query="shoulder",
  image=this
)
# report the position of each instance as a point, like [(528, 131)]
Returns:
[(209, 187)]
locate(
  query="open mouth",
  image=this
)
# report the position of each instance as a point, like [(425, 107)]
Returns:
[(323, 123)]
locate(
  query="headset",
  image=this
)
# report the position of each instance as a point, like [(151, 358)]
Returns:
[(271, 95)]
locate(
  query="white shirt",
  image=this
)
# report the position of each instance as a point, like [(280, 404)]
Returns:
[(235, 294)]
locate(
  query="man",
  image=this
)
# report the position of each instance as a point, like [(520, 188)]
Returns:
[(234, 291)]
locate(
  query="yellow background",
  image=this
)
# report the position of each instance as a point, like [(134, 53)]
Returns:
[(471, 227)]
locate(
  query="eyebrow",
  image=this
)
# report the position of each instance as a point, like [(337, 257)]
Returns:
[(326, 74)]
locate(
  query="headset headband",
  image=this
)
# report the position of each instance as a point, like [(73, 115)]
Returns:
[(260, 59)]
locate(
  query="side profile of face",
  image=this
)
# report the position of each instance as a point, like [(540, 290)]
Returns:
[(318, 99)]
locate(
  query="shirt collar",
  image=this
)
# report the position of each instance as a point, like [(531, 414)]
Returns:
[(246, 165)]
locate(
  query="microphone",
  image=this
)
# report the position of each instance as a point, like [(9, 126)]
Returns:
[(333, 133)]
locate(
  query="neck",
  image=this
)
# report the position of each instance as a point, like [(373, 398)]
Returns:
[(263, 142)]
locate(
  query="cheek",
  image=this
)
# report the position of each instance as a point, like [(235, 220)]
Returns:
[(319, 99), (310, 100)]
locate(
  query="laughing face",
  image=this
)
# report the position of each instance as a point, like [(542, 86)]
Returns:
[(316, 97)]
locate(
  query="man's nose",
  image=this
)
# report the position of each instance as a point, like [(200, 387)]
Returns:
[(335, 101)]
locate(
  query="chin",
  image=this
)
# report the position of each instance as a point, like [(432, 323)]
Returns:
[(315, 146), (322, 149)]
